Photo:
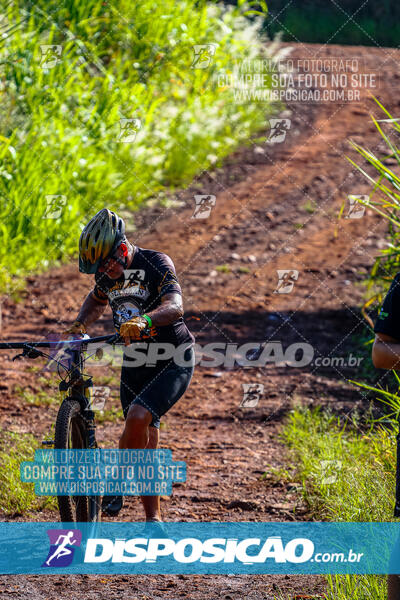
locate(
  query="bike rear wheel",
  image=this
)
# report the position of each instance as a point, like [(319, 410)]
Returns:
[(71, 433)]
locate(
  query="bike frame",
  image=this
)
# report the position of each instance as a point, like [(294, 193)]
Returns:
[(77, 384)]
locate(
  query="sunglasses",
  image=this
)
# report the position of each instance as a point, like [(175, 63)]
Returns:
[(105, 263)]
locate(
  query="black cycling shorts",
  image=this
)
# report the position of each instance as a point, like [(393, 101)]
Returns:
[(156, 388)]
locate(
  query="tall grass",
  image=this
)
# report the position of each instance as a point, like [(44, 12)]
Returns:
[(359, 467), (364, 488), (346, 475), (381, 170), (60, 125), (15, 495)]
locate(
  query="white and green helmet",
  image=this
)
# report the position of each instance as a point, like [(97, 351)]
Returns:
[(99, 239)]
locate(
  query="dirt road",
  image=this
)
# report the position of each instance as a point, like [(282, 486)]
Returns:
[(276, 208)]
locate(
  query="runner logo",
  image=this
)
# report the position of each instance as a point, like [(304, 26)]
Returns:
[(61, 552), (356, 206), (203, 54), (252, 393), (330, 470), (54, 205), (99, 395), (133, 276), (286, 277), (129, 129), (204, 204), (278, 131), (50, 56)]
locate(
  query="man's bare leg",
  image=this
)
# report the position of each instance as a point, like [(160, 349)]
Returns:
[(137, 435), (151, 504), (136, 431)]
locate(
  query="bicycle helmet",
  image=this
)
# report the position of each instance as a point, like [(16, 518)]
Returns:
[(99, 239)]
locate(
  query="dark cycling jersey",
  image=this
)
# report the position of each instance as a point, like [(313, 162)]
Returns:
[(139, 290), (388, 320)]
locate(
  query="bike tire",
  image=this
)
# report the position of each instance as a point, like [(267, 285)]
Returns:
[(70, 433)]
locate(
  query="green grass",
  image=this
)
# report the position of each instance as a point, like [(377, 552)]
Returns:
[(363, 490), (109, 415), (223, 268), (51, 397), (310, 206), (347, 474), (384, 198), (16, 496), (40, 398), (60, 125), (106, 379)]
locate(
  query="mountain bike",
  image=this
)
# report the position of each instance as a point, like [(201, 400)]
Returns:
[(75, 425)]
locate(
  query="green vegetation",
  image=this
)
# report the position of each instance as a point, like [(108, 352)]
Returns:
[(347, 474), (223, 269), (383, 199), (109, 415), (310, 206), (359, 468), (113, 111), (347, 470), (46, 396), (108, 379), (16, 496), (40, 398)]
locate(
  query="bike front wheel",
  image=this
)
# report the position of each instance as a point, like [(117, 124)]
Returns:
[(71, 434)]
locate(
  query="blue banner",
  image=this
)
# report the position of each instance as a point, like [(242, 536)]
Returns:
[(200, 548)]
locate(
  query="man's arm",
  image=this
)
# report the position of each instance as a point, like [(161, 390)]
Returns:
[(169, 311), (91, 309), (386, 352)]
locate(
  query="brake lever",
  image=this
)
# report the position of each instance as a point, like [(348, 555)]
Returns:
[(145, 335), (28, 352), (115, 339)]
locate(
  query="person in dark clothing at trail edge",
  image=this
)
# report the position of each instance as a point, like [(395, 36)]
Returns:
[(386, 355), (143, 292)]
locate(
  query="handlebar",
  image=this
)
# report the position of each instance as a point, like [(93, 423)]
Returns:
[(74, 347), (78, 345), (112, 339)]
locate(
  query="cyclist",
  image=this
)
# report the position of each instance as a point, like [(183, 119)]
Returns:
[(386, 355), (143, 292)]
